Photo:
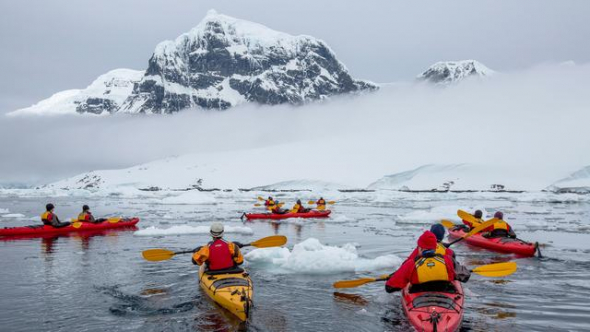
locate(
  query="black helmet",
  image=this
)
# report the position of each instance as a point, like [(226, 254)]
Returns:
[(85, 207), (478, 214), (49, 207), (499, 215)]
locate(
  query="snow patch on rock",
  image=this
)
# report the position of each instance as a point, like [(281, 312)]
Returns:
[(448, 72)]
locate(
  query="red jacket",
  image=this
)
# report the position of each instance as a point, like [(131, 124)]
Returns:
[(407, 273)]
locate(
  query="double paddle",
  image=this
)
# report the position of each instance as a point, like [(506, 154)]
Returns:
[(156, 255), (113, 220), (489, 270)]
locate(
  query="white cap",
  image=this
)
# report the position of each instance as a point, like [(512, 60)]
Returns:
[(216, 229)]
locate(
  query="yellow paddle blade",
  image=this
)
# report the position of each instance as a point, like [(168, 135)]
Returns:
[(466, 216), (156, 255), (332, 202), (481, 227), (357, 282), (76, 224), (257, 204), (269, 241), (261, 199), (114, 220), (496, 270), (447, 223), (310, 202)]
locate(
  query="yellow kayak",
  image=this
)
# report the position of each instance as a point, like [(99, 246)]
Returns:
[(233, 291)]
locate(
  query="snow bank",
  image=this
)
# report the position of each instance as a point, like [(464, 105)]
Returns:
[(13, 215), (312, 257), (190, 198), (186, 229), (577, 182)]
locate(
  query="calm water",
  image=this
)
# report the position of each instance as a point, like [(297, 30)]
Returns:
[(101, 282)]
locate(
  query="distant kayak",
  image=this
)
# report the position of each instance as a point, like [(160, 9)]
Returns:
[(500, 244), (275, 216), (41, 230), (433, 310)]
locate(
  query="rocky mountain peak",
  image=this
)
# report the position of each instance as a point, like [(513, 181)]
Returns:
[(448, 72)]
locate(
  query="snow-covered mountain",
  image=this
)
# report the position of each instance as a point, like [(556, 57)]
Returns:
[(462, 177), (577, 182), (106, 94), (448, 72), (220, 63)]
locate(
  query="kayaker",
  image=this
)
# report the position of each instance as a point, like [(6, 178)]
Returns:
[(478, 215), (277, 209), (299, 208), (499, 228), (269, 202), (218, 254), (430, 267), (321, 203), (439, 231), (86, 216), (50, 219)]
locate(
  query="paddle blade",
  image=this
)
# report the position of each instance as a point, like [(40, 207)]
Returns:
[(496, 270), (332, 202), (481, 227), (76, 224), (257, 204), (156, 255), (270, 241), (310, 202), (447, 223), (466, 216), (358, 282), (260, 198), (114, 220)]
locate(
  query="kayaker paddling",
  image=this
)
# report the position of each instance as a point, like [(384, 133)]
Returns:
[(478, 215), (432, 267), (218, 254), (299, 208), (499, 228), (321, 204), (49, 218), (86, 216)]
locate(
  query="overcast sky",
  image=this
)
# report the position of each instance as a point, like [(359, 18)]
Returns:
[(49, 46)]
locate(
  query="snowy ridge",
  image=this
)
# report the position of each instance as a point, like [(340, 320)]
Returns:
[(577, 182), (461, 177), (448, 72), (105, 95)]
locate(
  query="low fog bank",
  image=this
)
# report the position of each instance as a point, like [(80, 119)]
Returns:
[(536, 118)]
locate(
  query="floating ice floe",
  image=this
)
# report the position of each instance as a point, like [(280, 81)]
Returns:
[(312, 257), (189, 198), (13, 215), (186, 229)]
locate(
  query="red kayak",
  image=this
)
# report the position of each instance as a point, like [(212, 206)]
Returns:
[(41, 230), (275, 216), (434, 311), (500, 244)]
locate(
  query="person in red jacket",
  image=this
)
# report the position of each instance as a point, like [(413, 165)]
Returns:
[(439, 231), (432, 265), (49, 218), (499, 228), (218, 254)]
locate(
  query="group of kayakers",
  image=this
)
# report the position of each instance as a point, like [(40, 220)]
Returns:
[(49, 217), (431, 266), (274, 206)]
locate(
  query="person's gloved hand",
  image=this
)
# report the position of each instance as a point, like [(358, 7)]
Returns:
[(197, 248), (239, 244)]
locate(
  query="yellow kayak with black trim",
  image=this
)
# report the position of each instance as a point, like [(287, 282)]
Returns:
[(232, 290)]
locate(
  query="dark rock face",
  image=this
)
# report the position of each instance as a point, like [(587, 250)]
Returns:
[(224, 62), (97, 106)]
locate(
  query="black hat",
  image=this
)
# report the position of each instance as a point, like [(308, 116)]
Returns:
[(49, 207), (85, 208)]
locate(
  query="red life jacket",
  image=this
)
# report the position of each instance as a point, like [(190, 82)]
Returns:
[(220, 257)]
